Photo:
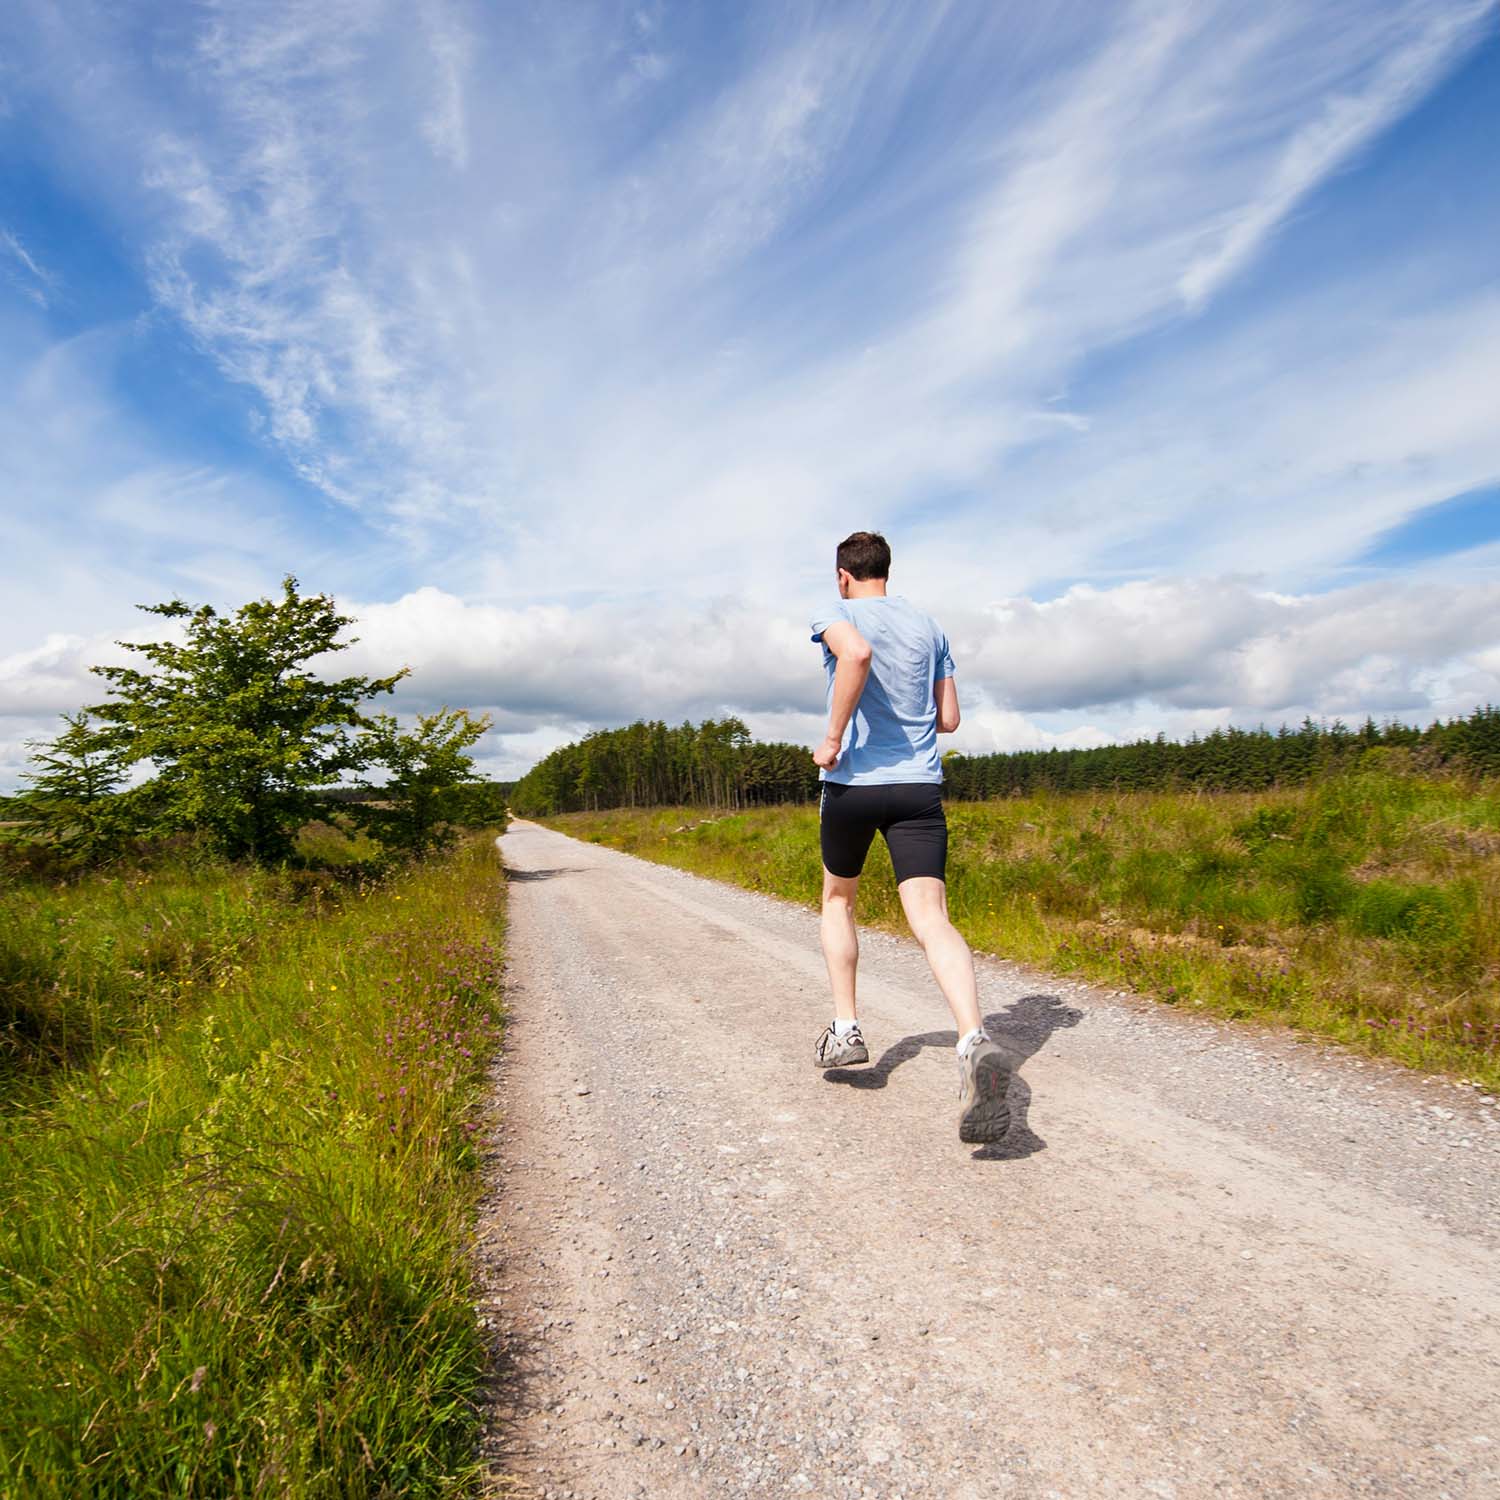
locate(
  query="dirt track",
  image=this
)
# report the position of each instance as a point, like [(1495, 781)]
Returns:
[(1204, 1262)]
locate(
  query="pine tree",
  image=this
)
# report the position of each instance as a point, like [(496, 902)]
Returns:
[(75, 796)]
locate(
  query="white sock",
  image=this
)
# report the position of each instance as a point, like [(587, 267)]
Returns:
[(967, 1037), (843, 1028)]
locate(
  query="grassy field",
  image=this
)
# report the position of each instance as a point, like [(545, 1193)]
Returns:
[(92, 962), (236, 1111), (1364, 909)]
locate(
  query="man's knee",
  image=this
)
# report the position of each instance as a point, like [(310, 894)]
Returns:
[(929, 927), (926, 909)]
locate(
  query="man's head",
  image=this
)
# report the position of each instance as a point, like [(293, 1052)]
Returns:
[(862, 557)]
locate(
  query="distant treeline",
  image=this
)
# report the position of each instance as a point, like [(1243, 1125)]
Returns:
[(717, 764), (649, 764), (1227, 760)]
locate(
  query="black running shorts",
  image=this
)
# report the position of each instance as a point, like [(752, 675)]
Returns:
[(909, 814)]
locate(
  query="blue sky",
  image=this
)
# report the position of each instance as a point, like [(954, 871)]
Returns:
[(563, 342)]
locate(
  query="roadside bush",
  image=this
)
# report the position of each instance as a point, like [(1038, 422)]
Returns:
[(114, 957), (1435, 926), (247, 743), (415, 809)]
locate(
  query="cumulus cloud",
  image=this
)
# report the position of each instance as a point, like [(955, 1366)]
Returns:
[(1226, 645), (1215, 643), (52, 678), (1091, 665), (606, 663)]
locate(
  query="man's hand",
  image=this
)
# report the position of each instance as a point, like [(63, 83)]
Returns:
[(827, 754)]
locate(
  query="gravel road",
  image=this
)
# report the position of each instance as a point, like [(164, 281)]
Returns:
[(1205, 1261)]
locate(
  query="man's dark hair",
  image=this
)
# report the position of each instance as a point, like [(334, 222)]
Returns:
[(865, 554)]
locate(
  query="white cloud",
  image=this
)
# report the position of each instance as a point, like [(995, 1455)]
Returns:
[(603, 664), (586, 365), (99, 514), (51, 678), (1346, 122), (451, 48), (514, 379), (34, 281), (1226, 645), (1089, 666), (507, 757), (1092, 665), (1180, 651), (1256, 452)]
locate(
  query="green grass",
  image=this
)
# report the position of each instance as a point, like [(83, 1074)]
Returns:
[(110, 959), (1365, 909), (233, 1236), (91, 961)]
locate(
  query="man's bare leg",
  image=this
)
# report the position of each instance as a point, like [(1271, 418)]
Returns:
[(840, 940), (984, 1066), (925, 902)]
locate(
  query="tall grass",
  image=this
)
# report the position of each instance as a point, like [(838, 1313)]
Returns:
[(105, 960), (1365, 908), (232, 1249), (90, 961)]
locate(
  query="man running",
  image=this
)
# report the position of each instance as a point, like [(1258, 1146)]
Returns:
[(890, 694)]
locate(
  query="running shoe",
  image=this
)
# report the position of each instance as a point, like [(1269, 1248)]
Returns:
[(835, 1051), (983, 1083)]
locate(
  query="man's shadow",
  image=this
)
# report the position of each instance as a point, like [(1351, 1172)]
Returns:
[(1022, 1030)]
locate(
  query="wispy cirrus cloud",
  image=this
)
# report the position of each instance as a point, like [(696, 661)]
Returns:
[(1419, 50), (34, 282), (450, 47), (410, 359), (589, 309)]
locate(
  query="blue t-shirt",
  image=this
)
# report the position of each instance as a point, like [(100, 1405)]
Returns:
[(893, 734)]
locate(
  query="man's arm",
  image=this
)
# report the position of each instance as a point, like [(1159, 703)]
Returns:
[(853, 653), (946, 694)]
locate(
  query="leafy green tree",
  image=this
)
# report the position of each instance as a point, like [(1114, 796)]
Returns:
[(75, 797), (417, 807), (480, 804), (241, 733)]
